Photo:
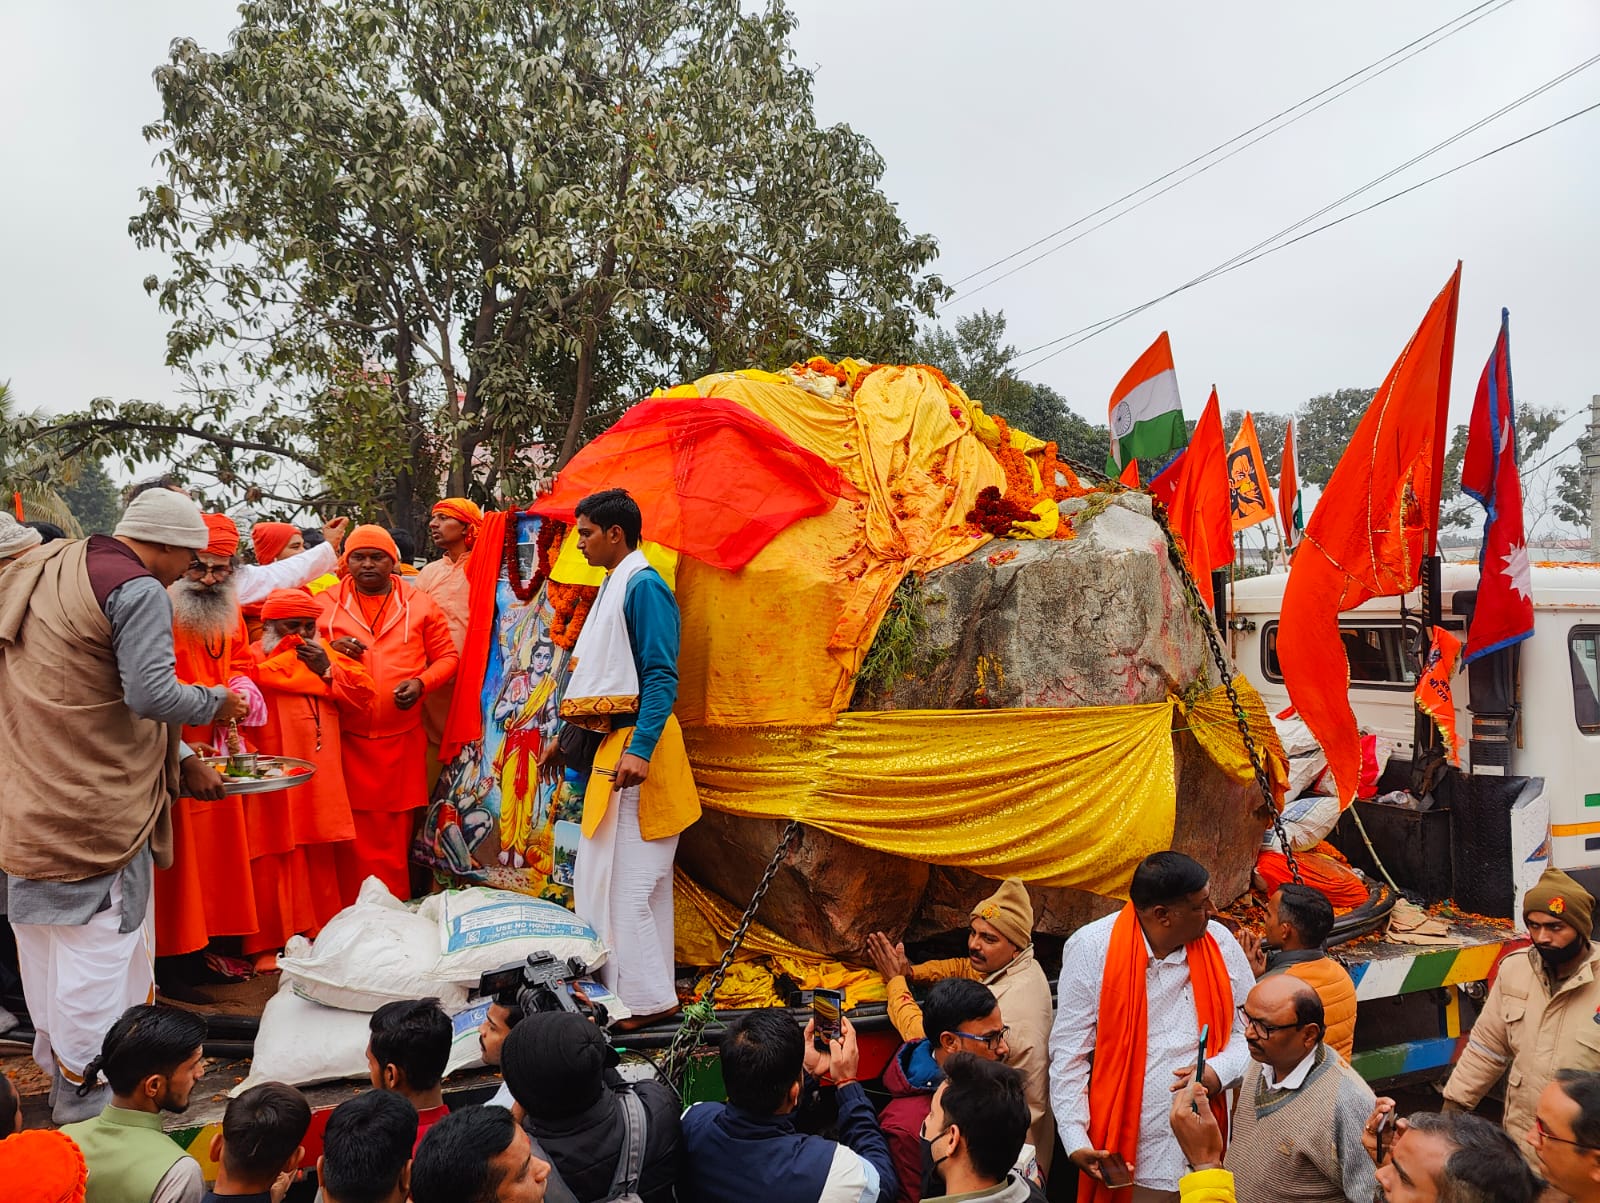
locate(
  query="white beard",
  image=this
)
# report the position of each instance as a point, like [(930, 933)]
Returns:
[(208, 613)]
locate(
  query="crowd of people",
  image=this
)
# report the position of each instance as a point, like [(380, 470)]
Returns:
[(1174, 1060)]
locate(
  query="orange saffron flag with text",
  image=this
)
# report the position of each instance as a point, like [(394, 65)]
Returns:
[(1194, 488), (1376, 521), (1434, 695)]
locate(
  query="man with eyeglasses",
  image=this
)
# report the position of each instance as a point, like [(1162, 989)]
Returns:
[(1540, 1013), (1448, 1158), (1566, 1134), (208, 891), (958, 1016), (1297, 1127)]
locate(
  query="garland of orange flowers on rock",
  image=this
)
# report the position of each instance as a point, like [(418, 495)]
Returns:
[(996, 515), (571, 605), (551, 533)]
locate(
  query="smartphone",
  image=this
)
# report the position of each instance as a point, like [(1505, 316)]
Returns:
[(827, 1009), (1200, 1061), (1114, 1171), (1384, 1121)]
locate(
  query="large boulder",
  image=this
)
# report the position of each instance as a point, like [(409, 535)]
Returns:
[(1102, 619)]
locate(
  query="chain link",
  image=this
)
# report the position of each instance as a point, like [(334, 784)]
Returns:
[(696, 1017), (1208, 623)]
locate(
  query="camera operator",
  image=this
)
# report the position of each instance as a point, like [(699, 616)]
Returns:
[(560, 1070)]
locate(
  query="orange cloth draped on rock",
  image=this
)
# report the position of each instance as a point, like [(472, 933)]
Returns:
[(1116, 1083), (294, 833), (448, 582), (1322, 873), (207, 892), (385, 751)]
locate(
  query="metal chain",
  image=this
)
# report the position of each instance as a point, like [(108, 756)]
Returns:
[(697, 1016), (1208, 623)]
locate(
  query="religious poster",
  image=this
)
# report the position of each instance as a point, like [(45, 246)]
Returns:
[(1248, 496), (491, 821)]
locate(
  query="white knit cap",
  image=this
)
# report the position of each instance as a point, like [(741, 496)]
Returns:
[(162, 516), (16, 538)]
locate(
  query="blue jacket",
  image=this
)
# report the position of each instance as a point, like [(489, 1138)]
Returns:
[(733, 1156)]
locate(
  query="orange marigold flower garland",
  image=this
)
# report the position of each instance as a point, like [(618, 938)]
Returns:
[(571, 606), (996, 515)]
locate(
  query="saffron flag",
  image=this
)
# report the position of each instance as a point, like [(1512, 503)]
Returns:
[(1146, 416), (1433, 694), (1504, 613), (1376, 521), (1130, 474), (1249, 499), (1194, 488), (1290, 520)]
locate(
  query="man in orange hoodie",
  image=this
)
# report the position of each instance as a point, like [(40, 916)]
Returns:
[(310, 690), (402, 638)]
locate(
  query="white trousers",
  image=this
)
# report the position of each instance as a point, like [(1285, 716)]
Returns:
[(622, 888), (78, 979)]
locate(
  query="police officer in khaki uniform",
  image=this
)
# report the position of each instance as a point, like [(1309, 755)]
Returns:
[(1543, 1012)]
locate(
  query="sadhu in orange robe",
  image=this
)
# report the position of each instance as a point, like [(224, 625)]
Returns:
[(294, 833), (385, 751)]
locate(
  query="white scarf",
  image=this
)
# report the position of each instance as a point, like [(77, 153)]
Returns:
[(604, 680)]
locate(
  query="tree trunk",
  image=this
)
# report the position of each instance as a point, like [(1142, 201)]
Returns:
[(580, 395)]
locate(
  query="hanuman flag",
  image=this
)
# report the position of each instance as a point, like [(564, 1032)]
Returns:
[(1289, 516), (1194, 488), (1376, 521), (1249, 499), (1434, 697), (1504, 613), (1146, 416)]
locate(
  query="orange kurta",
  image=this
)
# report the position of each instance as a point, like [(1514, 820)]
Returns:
[(207, 892), (294, 832), (444, 580), (385, 749)]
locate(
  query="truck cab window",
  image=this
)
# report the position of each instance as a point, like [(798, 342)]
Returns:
[(1379, 653), (1583, 653)]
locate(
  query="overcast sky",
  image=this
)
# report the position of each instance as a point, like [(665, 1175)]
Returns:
[(999, 122)]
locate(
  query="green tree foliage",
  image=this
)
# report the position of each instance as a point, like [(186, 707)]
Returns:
[(1572, 487), (527, 214), (30, 470), (975, 355), (93, 499), (1535, 425), (1323, 428)]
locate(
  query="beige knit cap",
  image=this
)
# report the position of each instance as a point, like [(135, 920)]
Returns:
[(1009, 911), (16, 538), (162, 516)]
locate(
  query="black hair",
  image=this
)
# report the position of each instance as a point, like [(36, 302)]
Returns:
[(262, 1128), (1308, 1006), (313, 536), (165, 481), (366, 1145), (1582, 1086), (1306, 910), (763, 1055), (986, 1101), (1486, 1166), (1164, 878), (952, 1002), (49, 532), (145, 1040), (414, 1035), (404, 543), (8, 1105), (452, 1163), (613, 507)]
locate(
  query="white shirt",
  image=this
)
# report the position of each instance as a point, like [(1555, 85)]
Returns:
[(1173, 1034), (252, 582), (1294, 1079)]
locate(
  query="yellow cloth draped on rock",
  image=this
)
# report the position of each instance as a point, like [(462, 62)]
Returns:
[(778, 642), (703, 924), (1217, 730), (1061, 797)]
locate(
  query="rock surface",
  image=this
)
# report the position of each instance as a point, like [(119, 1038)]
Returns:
[(1099, 620)]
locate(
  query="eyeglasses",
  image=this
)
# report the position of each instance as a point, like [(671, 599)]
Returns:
[(1265, 1028), (1546, 1134), (200, 571), (989, 1040)]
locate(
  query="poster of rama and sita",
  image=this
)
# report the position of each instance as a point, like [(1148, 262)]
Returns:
[(491, 821)]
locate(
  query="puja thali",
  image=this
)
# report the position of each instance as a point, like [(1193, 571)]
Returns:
[(258, 773)]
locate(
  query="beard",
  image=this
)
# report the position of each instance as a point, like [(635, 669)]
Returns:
[(270, 639), (209, 613)]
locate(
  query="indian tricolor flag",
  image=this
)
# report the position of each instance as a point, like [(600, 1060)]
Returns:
[(1146, 416)]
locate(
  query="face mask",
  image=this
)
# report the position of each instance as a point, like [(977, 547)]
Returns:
[(932, 1179), (1554, 958)]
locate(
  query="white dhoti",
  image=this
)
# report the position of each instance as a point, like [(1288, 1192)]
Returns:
[(78, 978), (622, 888)]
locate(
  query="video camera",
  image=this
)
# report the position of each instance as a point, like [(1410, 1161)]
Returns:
[(542, 983)]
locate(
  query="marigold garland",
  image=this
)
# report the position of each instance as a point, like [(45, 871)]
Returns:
[(997, 515), (551, 533), (571, 605)]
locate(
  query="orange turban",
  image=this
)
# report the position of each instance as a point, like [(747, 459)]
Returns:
[(370, 538), (290, 603), (463, 511), (43, 1167), (224, 535), (270, 538)]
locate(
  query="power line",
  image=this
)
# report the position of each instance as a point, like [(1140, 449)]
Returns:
[(1266, 247), (1465, 23)]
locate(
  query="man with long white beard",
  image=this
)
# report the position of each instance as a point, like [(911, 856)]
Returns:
[(208, 891), (309, 688)]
